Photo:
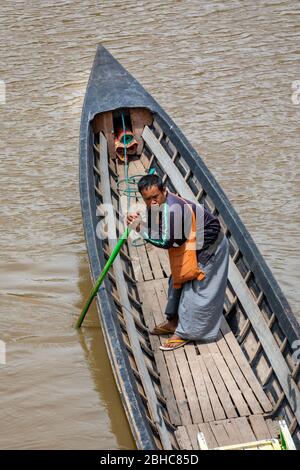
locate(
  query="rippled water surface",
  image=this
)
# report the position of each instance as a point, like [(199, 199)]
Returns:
[(224, 72)]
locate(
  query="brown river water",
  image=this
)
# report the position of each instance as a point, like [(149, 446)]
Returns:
[(224, 71)]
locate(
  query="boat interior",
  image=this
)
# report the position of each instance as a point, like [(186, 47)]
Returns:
[(232, 390)]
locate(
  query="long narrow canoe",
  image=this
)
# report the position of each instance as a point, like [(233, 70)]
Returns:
[(232, 390)]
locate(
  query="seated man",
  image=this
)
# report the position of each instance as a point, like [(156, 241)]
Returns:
[(195, 303)]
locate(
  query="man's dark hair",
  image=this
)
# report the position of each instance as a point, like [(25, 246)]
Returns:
[(148, 181)]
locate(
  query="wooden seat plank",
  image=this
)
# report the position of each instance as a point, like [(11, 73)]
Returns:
[(259, 427), (161, 295), (182, 363), (167, 389), (183, 438), (178, 389), (245, 430), (217, 380), (150, 302), (164, 261), (154, 261), (150, 292), (144, 262), (165, 284), (154, 302), (229, 381), (158, 297), (245, 367), (135, 259), (187, 380), (174, 373), (220, 433), (214, 399), (208, 434), (238, 376), (145, 292), (192, 431), (233, 431), (201, 390)]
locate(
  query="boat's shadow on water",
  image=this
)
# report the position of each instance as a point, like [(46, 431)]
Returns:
[(92, 342)]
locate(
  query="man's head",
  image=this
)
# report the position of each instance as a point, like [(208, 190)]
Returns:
[(153, 190)]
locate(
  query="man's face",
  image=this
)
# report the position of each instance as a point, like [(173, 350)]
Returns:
[(153, 196)]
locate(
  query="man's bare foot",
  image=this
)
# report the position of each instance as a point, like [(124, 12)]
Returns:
[(166, 327)]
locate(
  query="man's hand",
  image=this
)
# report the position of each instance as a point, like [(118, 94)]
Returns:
[(133, 219)]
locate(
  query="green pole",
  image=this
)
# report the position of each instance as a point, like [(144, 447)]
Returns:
[(110, 261)]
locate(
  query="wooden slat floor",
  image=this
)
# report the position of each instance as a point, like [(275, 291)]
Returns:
[(226, 432), (207, 386)]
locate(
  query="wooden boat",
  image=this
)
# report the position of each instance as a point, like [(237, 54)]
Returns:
[(232, 390)]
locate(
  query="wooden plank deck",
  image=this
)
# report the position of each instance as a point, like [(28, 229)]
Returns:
[(225, 432), (245, 368), (207, 387), (207, 382)]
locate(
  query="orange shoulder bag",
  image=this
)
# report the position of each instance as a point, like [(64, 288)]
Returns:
[(183, 259)]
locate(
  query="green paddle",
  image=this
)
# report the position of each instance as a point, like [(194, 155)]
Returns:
[(110, 261)]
